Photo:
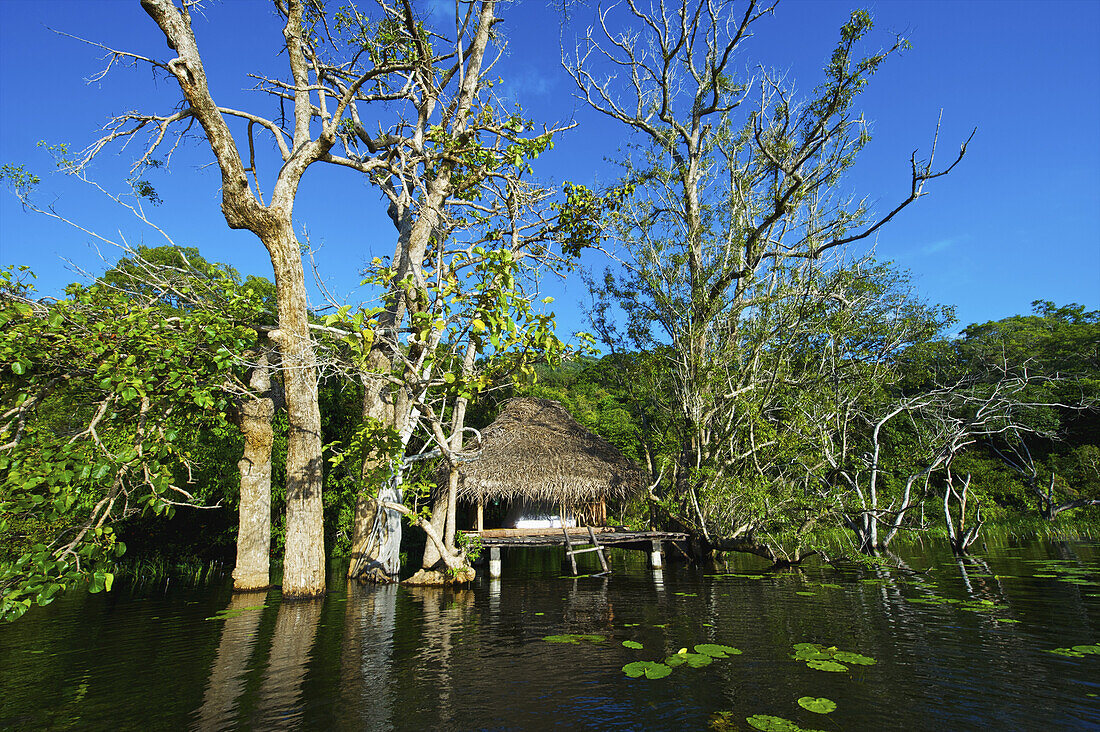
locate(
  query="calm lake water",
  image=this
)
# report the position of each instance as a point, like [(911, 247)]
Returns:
[(958, 645)]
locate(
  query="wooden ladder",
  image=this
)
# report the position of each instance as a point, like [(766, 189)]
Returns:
[(596, 547)]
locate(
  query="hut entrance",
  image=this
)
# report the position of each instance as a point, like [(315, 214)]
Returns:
[(526, 513)]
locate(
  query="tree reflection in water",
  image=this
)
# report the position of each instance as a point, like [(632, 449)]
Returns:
[(229, 671)]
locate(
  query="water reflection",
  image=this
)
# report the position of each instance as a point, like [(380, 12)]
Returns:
[(280, 700), (227, 675), (366, 655)]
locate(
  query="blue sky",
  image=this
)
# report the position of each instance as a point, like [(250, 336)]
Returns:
[(1019, 219)]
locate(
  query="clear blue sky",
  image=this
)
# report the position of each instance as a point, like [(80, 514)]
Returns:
[(1019, 220)]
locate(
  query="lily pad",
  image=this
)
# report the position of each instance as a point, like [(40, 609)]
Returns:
[(854, 658), (768, 723), (657, 671), (649, 669), (574, 638), (697, 660), (806, 594), (818, 705), (805, 646), (632, 644), (676, 659), (1089, 649), (827, 666), (716, 650)]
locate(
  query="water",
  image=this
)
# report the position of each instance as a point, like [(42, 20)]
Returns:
[(431, 659)]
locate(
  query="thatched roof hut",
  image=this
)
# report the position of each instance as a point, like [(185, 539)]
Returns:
[(535, 451)]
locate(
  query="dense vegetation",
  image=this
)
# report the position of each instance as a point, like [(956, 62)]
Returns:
[(775, 386)]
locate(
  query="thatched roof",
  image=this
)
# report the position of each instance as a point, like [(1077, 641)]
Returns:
[(536, 450)]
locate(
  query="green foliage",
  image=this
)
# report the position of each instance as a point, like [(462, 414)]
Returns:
[(99, 390)]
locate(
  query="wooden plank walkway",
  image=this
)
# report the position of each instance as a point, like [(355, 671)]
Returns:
[(556, 537)]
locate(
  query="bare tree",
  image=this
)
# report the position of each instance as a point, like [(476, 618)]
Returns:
[(728, 208)]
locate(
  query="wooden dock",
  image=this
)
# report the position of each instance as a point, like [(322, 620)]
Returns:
[(611, 536)]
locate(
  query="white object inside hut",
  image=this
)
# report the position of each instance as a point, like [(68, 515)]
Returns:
[(524, 514)]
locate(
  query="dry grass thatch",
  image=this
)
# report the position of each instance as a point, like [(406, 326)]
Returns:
[(536, 450)]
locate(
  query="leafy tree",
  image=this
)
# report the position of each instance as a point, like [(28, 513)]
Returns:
[(100, 389)]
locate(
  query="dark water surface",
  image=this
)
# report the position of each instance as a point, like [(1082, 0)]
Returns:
[(962, 646)]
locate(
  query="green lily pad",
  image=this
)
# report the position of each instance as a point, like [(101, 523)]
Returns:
[(632, 644), (657, 671), (716, 650), (854, 658), (831, 585), (806, 646), (1066, 652), (687, 594), (827, 666), (574, 638), (697, 660), (818, 705), (1089, 649), (676, 659), (806, 594), (649, 669), (768, 723)]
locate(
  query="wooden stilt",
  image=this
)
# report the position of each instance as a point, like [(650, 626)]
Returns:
[(480, 516), (655, 554), (494, 561)]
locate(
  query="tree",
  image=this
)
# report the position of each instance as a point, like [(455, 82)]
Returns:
[(731, 215), (99, 391)]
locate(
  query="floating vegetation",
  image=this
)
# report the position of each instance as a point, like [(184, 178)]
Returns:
[(857, 659), (704, 655), (575, 638), (806, 594), (632, 644), (649, 669), (687, 594), (234, 612), (831, 585), (818, 705), (828, 658), (768, 723), (1077, 651), (716, 650)]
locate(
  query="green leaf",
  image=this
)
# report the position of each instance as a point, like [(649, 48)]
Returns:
[(716, 650), (18, 368), (853, 658), (818, 705), (827, 666), (768, 723), (632, 644)]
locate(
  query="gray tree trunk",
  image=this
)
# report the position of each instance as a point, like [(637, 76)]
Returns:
[(254, 532)]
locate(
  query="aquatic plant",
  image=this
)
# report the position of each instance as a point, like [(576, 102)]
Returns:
[(574, 638), (828, 658), (818, 705)]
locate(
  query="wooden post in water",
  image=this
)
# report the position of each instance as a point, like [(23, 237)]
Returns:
[(655, 555), (494, 561)]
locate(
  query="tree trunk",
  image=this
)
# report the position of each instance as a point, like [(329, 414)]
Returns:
[(376, 535), (304, 558), (254, 532)]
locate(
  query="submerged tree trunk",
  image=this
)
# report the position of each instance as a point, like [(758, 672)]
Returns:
[(304, 558), (376, 537), (254, 532)]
